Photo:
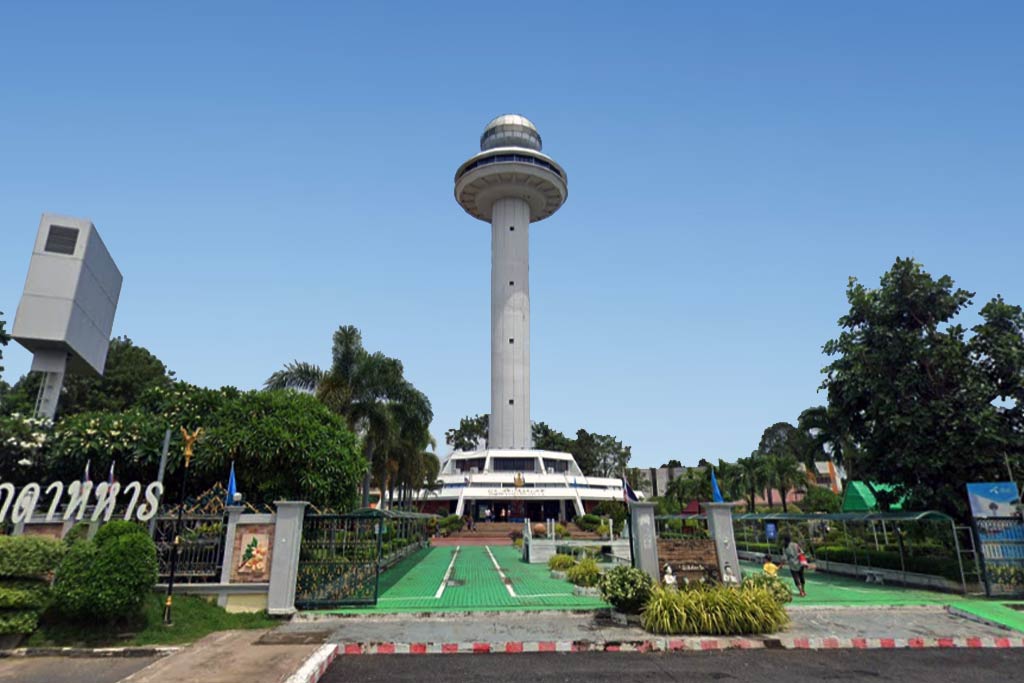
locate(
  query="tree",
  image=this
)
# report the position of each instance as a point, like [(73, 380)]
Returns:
[(599, 455), (672, 463), (367, 390), (784, 474), (750, 477), (827, 437), (780, 440), (915, 395), (546, 438), (285, 445), (637, 478), (820, 499), (471, 432), (130, 371), (694, 485)]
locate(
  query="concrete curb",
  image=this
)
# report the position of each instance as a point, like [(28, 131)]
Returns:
[(159, 651), (315, 667)]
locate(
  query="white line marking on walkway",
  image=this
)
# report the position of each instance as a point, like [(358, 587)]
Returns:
[(448, 573), (504, 579)]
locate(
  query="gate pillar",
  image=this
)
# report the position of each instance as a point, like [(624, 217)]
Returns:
[(284, 563)]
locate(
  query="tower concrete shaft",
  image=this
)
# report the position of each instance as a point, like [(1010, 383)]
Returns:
[(510, 183), (510, 325)]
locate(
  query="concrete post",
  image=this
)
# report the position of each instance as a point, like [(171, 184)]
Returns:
[(284, 565), (234, 512), (642, 536), (720, 527)]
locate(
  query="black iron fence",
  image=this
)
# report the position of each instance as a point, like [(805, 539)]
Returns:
[(201, 553), (342, 556)]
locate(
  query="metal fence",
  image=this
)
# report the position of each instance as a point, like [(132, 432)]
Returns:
[(201, 553), (341, 556), (1002, 550)]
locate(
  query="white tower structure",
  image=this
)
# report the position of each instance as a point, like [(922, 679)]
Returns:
[(510, 184), (67, 310)]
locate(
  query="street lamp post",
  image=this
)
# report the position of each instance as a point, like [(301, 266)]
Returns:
[(190, 440)]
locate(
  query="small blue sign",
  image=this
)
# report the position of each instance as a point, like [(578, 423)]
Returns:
[(771, 531), (993, 499)]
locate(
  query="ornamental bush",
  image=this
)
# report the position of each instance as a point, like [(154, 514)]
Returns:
[(585, 573), (561, 531), (626, 588), (107, 579), (25, 565), (560, 563), (588, 522), (772, 584), (718, 610)]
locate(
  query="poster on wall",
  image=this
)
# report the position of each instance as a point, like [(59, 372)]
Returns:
[(993, 499)]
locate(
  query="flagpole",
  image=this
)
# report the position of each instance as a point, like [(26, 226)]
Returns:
[(189, 441)]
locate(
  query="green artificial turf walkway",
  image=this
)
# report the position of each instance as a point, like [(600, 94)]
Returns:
[(831, 590), (474, 585)]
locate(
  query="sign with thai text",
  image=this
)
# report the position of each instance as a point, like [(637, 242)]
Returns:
[(78, 496)]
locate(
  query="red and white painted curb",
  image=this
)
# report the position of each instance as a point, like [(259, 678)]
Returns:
[(317, 664)]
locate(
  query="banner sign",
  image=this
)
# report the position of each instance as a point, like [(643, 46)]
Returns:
[(104, 496), (993, 499)]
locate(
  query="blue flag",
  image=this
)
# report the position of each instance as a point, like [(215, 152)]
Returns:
[(232, 486), (716, 492)]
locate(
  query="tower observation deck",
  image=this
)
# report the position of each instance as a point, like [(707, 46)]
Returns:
[(510, 184)]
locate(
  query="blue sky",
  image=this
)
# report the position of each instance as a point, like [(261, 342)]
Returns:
[(265, 173)]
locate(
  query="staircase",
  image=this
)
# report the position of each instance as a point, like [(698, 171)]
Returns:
[(486, 533)]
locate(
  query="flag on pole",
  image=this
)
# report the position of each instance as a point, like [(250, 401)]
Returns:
[(716, 493), (627, 492), (232, 486), (85, 475)]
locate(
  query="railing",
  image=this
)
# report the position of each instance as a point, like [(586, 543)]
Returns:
[(201, 553)]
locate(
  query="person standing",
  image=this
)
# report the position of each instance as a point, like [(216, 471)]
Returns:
[(796, 561)]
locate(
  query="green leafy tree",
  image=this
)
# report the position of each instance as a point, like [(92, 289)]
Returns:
[(784, 474), (546, 438), (469, 435), (368, 390), (130, 371), (695, 484), (672, 463), (915, 395), (820, 499)]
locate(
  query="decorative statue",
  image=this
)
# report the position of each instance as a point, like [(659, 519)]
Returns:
[(668, 579)]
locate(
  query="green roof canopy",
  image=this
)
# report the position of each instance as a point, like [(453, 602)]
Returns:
[(858, 497)]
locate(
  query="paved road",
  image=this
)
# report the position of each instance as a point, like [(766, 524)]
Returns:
[(70, 669), (904, 666)]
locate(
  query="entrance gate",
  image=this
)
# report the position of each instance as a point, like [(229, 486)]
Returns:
[(1002, 554), (341, 556)]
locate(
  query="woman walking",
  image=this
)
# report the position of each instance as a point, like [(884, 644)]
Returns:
[(796, 560)]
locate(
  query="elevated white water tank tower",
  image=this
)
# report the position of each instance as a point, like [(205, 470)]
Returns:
[(67, 310)]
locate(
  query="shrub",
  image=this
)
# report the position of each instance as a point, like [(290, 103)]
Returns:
[(25, 561), (584, 573), (518, 542), (718, 610), (516, 535), (560, 563), (588, 522), (28, 556), (772, 584), (626, 588), (78, 532), (108, 578), (561, 531), (452, 524), (614, 509)]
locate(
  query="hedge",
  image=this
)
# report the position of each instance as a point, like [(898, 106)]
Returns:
[(881, 559), (28, 556), (18, 622), (24, 594)]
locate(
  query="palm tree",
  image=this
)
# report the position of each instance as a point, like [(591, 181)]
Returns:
[(785, 474), (828, 436), (750, 477), (368, 390)]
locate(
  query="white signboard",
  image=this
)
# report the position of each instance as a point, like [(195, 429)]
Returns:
[(105, 497)]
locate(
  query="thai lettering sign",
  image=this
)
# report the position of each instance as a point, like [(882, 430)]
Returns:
[(104, 497)]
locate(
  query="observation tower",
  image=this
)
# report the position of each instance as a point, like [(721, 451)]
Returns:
[(510, 184)]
